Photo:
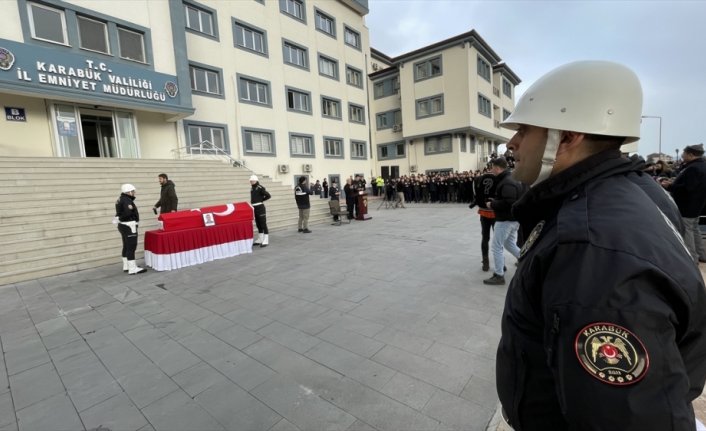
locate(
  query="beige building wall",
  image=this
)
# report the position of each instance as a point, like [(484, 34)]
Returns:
[(31, 138)]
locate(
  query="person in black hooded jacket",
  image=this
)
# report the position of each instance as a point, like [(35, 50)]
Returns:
[(604, 324), (168, 199)]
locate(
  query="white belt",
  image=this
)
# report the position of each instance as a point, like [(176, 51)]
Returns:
[(259, 203)]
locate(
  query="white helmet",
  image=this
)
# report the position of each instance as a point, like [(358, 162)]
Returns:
[(253, 178), (127, 188), (592, 97)]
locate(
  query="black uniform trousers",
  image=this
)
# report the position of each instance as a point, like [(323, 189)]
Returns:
[(261, 219), (129, 241), (485, 224)]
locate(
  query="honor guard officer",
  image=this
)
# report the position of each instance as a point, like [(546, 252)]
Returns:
[(604, 325), (258, 196), (127, 217)]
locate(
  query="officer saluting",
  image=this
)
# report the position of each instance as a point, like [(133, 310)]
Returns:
[(127, 218), (604, 325), (258, 196)]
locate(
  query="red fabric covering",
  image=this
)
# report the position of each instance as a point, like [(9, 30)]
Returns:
[(163, 242), (190, 219)]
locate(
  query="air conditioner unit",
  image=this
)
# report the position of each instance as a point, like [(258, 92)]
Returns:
[(283, 168), (397, 128), (375, 66), (413, 168), (497, 124), (307, 167), (496, 91)]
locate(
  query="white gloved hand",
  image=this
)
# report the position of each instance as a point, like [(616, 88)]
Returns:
[(116, 220)]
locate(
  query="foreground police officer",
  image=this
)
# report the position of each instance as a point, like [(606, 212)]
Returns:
[(603, 327), (258, 196), (127, 218)]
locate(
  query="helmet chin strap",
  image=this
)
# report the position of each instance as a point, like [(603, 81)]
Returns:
[(549, 156)]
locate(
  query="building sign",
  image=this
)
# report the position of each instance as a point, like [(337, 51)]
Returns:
[(15, 114), (42, 70)]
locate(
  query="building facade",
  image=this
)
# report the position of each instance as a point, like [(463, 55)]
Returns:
[(439, 108), (287, 87)]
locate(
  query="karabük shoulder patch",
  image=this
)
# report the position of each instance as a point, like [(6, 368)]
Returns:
[(532, 238), (612, 354)]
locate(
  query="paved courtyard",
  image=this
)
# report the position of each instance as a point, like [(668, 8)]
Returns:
[(377, 325)]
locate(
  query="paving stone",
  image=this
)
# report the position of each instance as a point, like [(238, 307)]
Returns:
[(301, 405), (404, 340), (4, 382), (408, 390), (359, 325), (289, 337), (7, 411), (352, 341), (462, 361), (285, 425), (236, 409), (89, 322), (238, 336), (29, 355), (213, 323), (247, 318), (457, 412), (116, 413), (349, 364), (481, 391), (19, 335), (166, 353), (89, 386), (198, 378), (146, 384), (178, 329), (55, 413), (206, 346), (360, 426), (34, 385), (178, 412), (72, 357), (242, 369), (57, 332)]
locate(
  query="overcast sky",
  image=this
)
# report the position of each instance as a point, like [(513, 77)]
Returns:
[(664, 42)]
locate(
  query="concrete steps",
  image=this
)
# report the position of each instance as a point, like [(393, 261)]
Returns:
[(55, 214)]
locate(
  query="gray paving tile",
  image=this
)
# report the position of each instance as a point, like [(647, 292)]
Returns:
[(242, 369), (408, 390), (146, 384), (460, 361), (55, 413), (457, 412), (236, 409), (7, 410), (4, 382), (34, 385), (360, 426), (349, 364), (198, 378), (57, 332), (301, 406), (284, 425), (29, 355), (178, 412), (19, 335), (90, 385), (359, 325), (213, 323), (238, 336), (247, 318), (289, 337), (480, 391), (166, 353), (72, 357), (89, 322), (352, 341), (206, 346), (116, 413), (404, 340)]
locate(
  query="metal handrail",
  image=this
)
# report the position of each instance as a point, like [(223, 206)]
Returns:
[(206, 148)]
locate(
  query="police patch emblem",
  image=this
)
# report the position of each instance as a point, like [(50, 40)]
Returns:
[(612, 354), (7, 59), (171, 88), (532, 238)]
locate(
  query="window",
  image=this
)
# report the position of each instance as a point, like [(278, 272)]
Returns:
[(258, 141), (204, 80), (427, 69), (483, 105), (381, 121), (200, 133), (328, 67), (351, 37), (325, 23), (395, 150), (386, 87), (92, 34), (354, 77), (483, 69), (330, 108), (386, 120), (463, 144), (251, 90), (506, 114), (356, 113), (294, 8), (47, 23), (250, 38), (199, 20), (132, 45), (333, 147), (437, 144), (358, 150), (298, 101), (301, 145), (430, 106), (295, 55), (507, 88)]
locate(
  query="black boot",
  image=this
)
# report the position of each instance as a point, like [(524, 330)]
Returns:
[(486, 264)]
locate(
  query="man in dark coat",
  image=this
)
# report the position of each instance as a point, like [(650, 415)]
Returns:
[(168, 200), (301, 196), (689, 193), (604, 325)]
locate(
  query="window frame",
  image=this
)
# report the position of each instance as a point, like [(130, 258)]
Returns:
[(391, 146), (255, 30), (287, 89), (283, 9), (207, 68), (507, 86), (485, 67), (362, 111), (250, 79), (429, 99), (288, 44), (212, 13), (393, 80), (506, 114), (427, 64), (311, 141), (361, 144), (437, 142), (336, 69), (106, 33), (245, 130), (481, 97), (200, 124), (64, 23), (356, 70), (346, 30), (333, 100), (120, 45), (339, 140), (318, 12)]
